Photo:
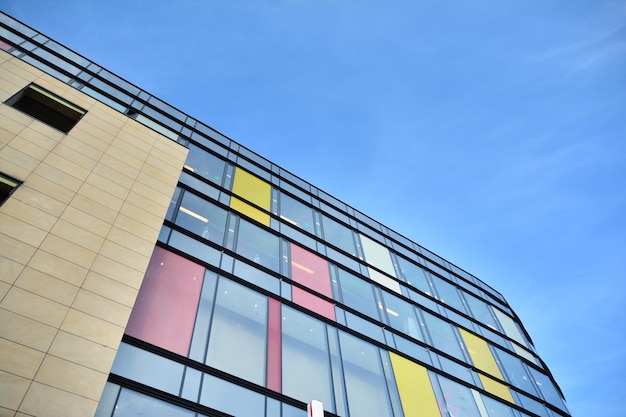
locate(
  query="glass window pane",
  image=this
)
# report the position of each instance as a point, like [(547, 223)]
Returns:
[(238, 334), (306, 366), (401, 316), (366, 387), (203, 318), (547, 388), (258, 245), (202, 218), (481, 311), (443, 336), (357, 293), (339, 235), (515, 372), (230, 398), (496, 408), (148, 368), (205, 164), (413, 275), (166, 306), (448, 293), (296, 213), (457, 398), (134, 404)]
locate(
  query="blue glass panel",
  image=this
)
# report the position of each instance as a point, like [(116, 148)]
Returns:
[(134, 404)]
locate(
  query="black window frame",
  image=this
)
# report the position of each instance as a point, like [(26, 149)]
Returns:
[(47, 107)]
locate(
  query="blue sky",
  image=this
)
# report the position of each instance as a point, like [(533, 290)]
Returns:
[(492, 133)]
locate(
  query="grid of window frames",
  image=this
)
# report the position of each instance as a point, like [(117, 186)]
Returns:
[(370, 310)]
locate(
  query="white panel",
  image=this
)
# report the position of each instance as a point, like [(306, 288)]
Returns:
[(384, 280), (510, 328), (377, 255)]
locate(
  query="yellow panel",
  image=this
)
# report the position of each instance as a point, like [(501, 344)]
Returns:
[(496, 388), (416, 392), (252, 188), (250, 211), (480, 353)]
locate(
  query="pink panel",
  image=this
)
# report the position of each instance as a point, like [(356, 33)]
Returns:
[(310, 270), (274, 359), (5, 46), (313, 303), (166, 306)]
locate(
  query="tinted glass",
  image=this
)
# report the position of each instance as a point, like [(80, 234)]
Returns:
[(448, 293), (366, 387), (458, 399), (357, 293), (202, 218), (258, 245), (148, 368), (413, 275), (203, 318), (306, 366), (230, 398), (443, 336), (401, 316), (481, 311), (296, 213), (205, 164), (133, 404), (238, 333), (338, 235), (515, 372)]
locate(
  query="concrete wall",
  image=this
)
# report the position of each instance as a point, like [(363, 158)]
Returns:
[(75, 240)]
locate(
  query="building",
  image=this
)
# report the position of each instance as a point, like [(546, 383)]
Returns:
[(152, 266)]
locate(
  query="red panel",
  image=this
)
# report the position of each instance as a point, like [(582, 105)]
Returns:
[(310, 270), (166, 305), (313, 303), (274, 367)]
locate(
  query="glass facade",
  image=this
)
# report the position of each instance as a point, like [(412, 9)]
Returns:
[(264, 293)]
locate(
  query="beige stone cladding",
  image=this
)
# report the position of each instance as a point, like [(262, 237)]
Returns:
[(75, 240)]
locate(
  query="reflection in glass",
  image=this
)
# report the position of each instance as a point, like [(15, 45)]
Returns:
[(357, 293), (230, 398), (448, 293), (458, 399), (339, 235), (306, 367), (515, 372), (547, 388), (203, 318), (413, 275), (401, 316), (205, 164), (238, 334), (258, 245), (296, 213), (495, 408), (481, 311), (148, 368), (134, 404), (443, 336), (366, 387), (202, 218)]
